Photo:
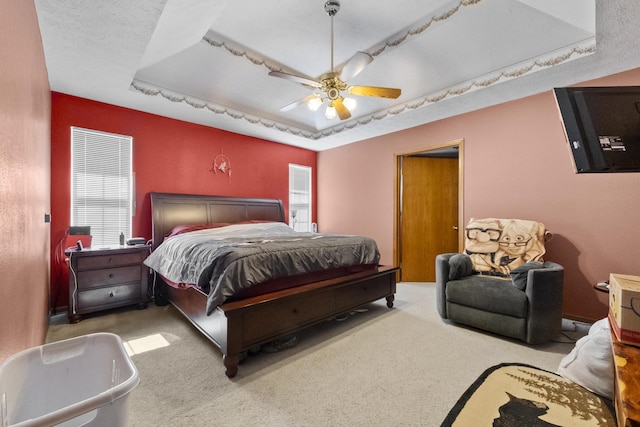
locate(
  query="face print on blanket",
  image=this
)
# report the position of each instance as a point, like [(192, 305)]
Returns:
[(497, 246), (481, 244)]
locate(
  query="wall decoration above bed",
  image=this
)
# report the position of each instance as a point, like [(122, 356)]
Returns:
[(221, 164)]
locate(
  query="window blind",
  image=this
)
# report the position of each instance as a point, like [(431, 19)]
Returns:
[(300, 197), (101, 184)]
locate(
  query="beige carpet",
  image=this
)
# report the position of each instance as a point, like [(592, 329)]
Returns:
[(386, 367)]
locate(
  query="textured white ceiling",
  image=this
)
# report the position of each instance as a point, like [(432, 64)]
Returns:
[(207, 61)]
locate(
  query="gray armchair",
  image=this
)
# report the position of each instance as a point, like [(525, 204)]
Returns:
[(500, 283), (527, 306)]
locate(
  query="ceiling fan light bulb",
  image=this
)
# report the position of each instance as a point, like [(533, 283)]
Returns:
[(350, 103), (330, 112), (314, 104)]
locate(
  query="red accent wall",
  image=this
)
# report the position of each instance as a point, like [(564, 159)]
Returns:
[(168, 156)]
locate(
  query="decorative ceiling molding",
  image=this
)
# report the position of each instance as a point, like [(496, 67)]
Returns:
[(172, 96), (398, 39), (584, 48), (392, 42), (251, 56)]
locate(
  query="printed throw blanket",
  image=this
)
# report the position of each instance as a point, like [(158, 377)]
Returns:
[(497, 246)]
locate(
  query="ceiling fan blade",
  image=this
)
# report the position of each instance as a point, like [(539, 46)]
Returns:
[(381, 92), (343, 112), (296, 79), (302, 101), (355, 65)]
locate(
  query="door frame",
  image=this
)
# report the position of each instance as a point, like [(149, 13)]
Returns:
[(397, 188)]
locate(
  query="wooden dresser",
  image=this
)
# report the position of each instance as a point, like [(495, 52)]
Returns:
[(104, 278)]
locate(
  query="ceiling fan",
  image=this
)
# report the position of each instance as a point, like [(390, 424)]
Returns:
[(333, 83)]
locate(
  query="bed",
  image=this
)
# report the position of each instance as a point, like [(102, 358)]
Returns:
[(239, 324)]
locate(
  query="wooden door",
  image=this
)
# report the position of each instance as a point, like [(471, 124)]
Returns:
[(429, 215)]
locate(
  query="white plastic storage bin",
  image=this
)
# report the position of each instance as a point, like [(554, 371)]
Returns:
[(83, 381)]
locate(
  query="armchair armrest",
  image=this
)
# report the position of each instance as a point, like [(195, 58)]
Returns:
[(544, 292), (442, 277)]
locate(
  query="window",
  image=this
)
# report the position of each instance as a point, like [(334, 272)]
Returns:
[(101, 184), (300, 198)]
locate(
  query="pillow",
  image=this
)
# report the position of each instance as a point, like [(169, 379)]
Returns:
[(460, 265), (519, 274), (590, 363), (185, 228)]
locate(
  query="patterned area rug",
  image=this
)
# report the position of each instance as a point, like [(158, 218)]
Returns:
[(516, 395)]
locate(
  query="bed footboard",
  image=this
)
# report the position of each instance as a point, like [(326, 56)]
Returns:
[(237, 326)]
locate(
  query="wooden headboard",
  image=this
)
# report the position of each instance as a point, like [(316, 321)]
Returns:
[(169, 210)]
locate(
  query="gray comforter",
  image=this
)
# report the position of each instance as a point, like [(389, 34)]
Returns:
[(223, 261)]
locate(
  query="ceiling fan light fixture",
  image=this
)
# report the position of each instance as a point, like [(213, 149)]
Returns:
[(350, 103), (330, 112), (314, 103), (334, 84)]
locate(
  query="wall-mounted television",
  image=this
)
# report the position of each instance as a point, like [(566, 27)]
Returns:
[(602, 125)]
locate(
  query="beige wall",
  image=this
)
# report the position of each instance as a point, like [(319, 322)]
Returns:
[(25, 110), (516, 165)]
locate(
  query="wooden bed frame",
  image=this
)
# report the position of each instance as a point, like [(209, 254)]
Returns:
[(237, 326)]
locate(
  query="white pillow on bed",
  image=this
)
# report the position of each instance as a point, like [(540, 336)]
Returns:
[(590, 363)]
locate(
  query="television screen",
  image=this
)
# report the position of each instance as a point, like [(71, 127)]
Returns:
[(602, 125)]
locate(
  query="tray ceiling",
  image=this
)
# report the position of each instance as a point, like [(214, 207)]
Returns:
[(208, 61)]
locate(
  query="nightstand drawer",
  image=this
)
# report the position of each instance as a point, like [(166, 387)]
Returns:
[(112, 260), (104, 297), (109, 276)]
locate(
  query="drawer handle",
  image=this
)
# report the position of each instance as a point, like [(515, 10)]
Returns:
[(110, 260), (295, 311), (111, 294), (110, 275)]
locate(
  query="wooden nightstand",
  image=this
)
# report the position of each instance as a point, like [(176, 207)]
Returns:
[(104, 278)]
